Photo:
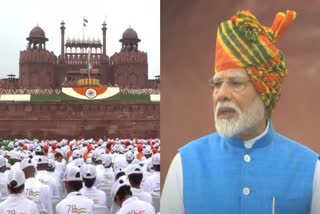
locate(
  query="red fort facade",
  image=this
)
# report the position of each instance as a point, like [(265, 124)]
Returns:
[(41, 68)]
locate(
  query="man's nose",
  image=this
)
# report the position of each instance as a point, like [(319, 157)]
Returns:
[(224, 92)]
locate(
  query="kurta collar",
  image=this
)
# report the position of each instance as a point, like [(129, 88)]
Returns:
[(262, 140)]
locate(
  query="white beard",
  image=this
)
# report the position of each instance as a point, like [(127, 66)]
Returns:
[(243, 121)]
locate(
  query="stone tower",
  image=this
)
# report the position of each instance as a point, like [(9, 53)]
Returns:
[(36, 63), (130, 64)]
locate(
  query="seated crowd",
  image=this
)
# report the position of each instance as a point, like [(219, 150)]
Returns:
[(80, 176)]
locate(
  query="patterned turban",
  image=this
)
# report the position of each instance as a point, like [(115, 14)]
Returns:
[(242, 42)]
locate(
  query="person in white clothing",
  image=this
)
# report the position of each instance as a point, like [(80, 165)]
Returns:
[(60, 164), (17, 202), (152, 183), (34, 189), (89, 174), (118, 172), (135, 175), (129, 157), (100, 170), (108, 171), (46, 177), (75, 202), (3, 178), (122, 196)]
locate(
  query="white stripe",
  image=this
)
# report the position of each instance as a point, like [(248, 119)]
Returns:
[(155, 97), (15, 97), (111, 91)]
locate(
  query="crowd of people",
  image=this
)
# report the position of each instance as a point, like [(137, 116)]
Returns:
[(80, 176), (58, 91), (140, 91)]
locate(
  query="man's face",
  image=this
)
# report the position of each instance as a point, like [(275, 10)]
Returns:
[(237, 106)]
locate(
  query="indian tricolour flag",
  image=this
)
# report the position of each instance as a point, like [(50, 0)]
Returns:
[(85, 21), (90, 60)]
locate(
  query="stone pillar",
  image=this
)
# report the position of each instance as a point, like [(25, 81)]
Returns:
[(104, 41), (62, 39)]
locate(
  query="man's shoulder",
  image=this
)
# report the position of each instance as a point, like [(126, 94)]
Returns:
[(202, 141), (289, 144)]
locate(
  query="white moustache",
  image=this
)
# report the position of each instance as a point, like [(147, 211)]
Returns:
[(226, 106)]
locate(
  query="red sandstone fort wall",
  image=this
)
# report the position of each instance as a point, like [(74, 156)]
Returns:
[(75, 120)]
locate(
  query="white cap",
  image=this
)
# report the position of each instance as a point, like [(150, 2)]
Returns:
[(16, 174), (134, 169), (51, 163), (88, 171), (156, 159), (78, 162), (135, 161), (95, 154), (2, 161), (41, 159), (147, 151), (130, 148), (76, 154), (122, 181), (129, 156), (72, 173), (38, 149), (117, 170), (121, 149), (15, 155), (27, 162), (11, 145), (50, 156), (89, 161), (106, 160)]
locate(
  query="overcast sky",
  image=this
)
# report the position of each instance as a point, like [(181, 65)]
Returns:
[(18, 17)]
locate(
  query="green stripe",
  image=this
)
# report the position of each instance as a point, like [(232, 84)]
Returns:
[(230, 46), (252, 45), (258, 46), (247, 17), (264, 52), (232, 35)]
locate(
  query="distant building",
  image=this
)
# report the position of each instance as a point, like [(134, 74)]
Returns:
[(41, 68)]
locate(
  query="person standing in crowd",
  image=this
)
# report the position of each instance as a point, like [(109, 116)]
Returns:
[(75, 202), (17, 201), (246, 166)]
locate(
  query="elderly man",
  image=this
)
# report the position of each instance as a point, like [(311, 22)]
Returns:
[(246, 167)]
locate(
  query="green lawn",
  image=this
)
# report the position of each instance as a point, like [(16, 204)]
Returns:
[(63, 97)]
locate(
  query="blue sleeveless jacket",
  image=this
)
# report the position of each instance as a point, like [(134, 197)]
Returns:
[(221, 176)]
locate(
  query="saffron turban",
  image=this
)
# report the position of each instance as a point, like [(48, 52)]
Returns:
[(242, 42)]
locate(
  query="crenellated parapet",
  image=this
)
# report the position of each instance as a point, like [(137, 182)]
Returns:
[(129, 57), (37, 56)]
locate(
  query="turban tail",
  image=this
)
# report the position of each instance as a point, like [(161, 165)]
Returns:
[(242, 42)]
